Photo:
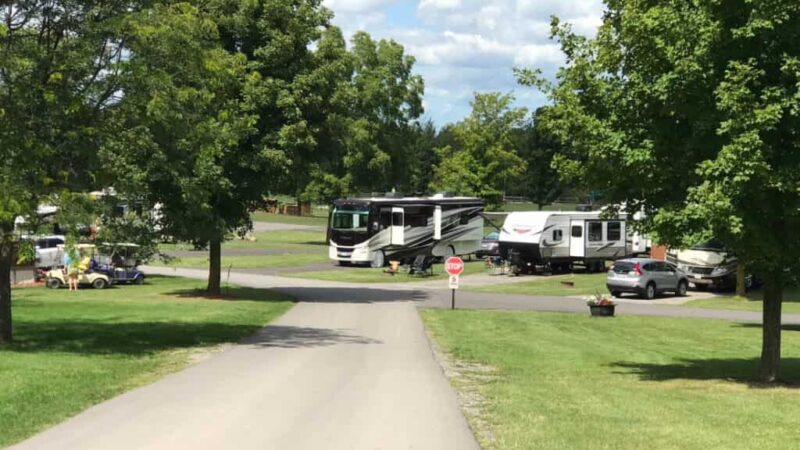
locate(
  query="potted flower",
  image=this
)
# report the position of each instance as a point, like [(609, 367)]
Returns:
[(601, 305)]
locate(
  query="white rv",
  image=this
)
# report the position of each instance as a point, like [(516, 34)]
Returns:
[(560, 239), (375, 230)]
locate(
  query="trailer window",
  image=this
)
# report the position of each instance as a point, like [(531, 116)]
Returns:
[(614, 231), (577, 231), (397, 219), (595, 231), (558, 235)]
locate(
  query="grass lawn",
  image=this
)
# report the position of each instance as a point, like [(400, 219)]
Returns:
[(585, 284), (370, 275), (316, 220), (249, 262), (270, 240), (568, 381), (73, 350), (753, 301)]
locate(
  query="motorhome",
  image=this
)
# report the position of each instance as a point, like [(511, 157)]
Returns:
[(377, 229), (558, 240), (708, 264)]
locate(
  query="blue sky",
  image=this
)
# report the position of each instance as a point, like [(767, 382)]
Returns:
[(464, 46)]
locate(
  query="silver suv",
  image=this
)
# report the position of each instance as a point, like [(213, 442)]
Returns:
[(646, 277)]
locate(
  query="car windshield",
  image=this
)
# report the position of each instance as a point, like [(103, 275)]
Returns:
[(354, 218), (711, 245), (493, 236)]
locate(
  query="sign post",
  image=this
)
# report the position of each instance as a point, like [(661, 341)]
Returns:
[(453, 266)]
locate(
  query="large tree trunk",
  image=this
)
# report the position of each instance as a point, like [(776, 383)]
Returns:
[(771, 329), (214, 266), (741, 290), (6, 262)]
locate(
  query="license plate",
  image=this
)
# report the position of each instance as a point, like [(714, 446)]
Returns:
[(697, 277)]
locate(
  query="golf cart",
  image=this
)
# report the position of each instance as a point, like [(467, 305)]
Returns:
[(56, 278), (118, 261)]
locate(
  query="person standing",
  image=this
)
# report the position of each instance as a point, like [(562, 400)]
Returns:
[(71, 268)]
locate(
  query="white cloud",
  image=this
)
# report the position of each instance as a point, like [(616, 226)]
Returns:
[(439, 4), (467, 46)]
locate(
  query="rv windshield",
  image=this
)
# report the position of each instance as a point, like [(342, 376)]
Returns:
[(354, 218)]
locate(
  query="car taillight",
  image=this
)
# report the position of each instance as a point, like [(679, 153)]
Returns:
[(637, 269)]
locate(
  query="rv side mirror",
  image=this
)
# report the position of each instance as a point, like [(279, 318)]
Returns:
[(437, 223)]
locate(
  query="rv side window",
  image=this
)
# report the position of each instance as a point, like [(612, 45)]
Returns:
[(558, 235), (397, 219), (577, 231), (614, 231), (464, 219), (595, 231)]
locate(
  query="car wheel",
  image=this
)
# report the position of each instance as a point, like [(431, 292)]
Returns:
[(53, 283), (650, 291), (683, 286), (139, 280), (378, 259), (99, 283)]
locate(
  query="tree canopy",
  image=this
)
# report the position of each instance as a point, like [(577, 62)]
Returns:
[(689, 112)]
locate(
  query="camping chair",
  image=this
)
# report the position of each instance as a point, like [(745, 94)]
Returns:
[(422, 266)]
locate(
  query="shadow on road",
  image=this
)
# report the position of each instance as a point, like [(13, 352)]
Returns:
[(299, 337), (736, 370), (351, 295)]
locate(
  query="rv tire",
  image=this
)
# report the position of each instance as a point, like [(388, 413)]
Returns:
[(378, 259)]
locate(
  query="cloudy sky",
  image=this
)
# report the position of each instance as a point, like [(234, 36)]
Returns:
[(464, 46)]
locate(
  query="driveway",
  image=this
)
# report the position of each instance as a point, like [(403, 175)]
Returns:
[(335, 372)]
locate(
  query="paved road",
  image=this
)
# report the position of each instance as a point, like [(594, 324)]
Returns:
[(333, 373)]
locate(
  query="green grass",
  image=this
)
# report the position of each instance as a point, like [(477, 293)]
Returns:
[(370, 275), (249, 262), (270, 240), (73, 350), (753, 301), (585, 284), (316, 220), (567, 381)]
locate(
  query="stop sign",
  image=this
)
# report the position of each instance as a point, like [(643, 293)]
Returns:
[(454, 265)]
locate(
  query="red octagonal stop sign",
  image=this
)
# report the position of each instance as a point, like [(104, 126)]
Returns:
[(454, 265)]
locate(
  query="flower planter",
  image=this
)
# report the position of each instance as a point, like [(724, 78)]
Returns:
[(602, 310)]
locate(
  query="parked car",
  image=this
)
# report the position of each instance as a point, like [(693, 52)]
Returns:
[(48, 253), (646, 277), (490, 245)]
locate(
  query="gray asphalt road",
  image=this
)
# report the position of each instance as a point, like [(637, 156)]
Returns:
[(333, 373)]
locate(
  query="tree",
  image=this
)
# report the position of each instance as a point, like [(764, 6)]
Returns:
[(58, 68), (540, 182), (178, 129), (689, 111), (486, 158)]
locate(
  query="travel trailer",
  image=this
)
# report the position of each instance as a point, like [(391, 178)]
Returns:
[(560, 239), (375, 230)]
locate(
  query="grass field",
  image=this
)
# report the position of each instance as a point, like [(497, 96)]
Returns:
[(73, 350), (753, 301), (318, 220), (567, 381), (270, 240), (249, 262), (585, 284), (370, 275)]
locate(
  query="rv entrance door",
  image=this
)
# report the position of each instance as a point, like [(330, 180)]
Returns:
[(398, 222), (577, 249)]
